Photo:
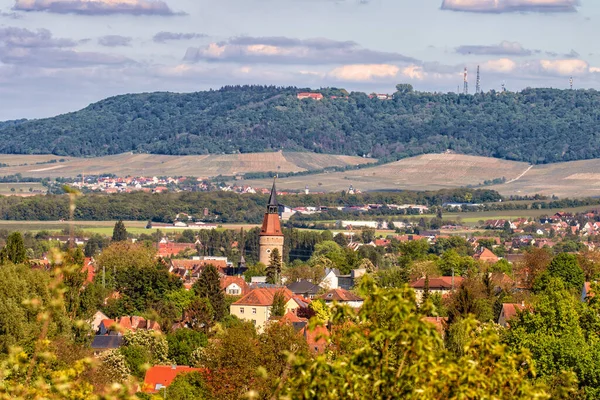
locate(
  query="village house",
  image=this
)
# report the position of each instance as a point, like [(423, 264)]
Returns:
[(586, 292), (234, 285), (304, 288), (509, 310), (443, 285), (341, 296), (486, 255), (308, 95), (334, 279), (256, 305), (127, 323), (161, 376)]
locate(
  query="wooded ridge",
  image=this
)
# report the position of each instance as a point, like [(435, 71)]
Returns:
[(534, 125)]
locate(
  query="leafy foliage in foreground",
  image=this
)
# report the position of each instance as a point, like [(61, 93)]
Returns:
[(386, 350), (534, 125)]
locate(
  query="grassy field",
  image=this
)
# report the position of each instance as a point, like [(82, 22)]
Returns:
[(440, 171), (21, 188), (101, 227), (426, 172), (164, 165)]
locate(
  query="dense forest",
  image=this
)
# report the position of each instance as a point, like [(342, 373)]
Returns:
[(534, 125)]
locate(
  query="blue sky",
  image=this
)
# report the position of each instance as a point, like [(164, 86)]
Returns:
[(60, 55)]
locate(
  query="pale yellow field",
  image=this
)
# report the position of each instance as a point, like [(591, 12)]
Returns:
[(426, 172), (129, 164), (440, 171)]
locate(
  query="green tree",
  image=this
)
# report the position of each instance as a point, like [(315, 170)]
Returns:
[(190, 386), (208, 286), (278, 307), (182, 343), (562, 334), (119, 232), (14, 251), (566, 267), (273, 270), (200, 315), (390, 352)]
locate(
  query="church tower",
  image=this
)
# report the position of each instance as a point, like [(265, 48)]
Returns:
[(271, 236)]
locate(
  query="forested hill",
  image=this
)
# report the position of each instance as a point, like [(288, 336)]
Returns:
[(535, 125)]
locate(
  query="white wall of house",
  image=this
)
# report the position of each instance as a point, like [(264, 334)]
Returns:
[(330, 281)]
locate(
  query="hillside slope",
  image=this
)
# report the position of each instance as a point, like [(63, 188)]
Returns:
[(425, 172), (534, 126), (41, 166), (447, 171)]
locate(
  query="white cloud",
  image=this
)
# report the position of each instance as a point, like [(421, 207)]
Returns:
[(503, 65), (96, 7), (503, 48), (283, 50), (502, 6), (364, 72), (565, 67)]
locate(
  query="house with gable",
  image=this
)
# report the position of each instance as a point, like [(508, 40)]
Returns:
[(509, 311), (486, 255), (161, 376), (234, 285), (256, 305), (304, 288), (444, 285), (342, 296)]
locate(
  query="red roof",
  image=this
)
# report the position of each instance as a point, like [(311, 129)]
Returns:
[(441, 283), (316, 338), (486, 255), (170, 249), (88, 269), (438, 322), (509, 310), (229, 280), (340, 295), (221, 265), (271, 225), (161, 376), (308, 95), (292, 317), (263, 297)]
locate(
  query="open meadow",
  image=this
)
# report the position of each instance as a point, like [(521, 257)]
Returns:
[(21, 189), (102, 227), (129, 164), (442, 171)]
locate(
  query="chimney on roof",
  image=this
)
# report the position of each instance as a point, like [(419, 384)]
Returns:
[(173, 366)]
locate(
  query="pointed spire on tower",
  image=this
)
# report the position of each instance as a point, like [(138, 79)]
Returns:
[(273, 196)]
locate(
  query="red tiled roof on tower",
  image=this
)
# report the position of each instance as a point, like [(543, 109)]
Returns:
[(271, 225)]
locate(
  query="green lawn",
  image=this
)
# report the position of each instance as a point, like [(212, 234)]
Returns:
[(101, 227), (21, 188)]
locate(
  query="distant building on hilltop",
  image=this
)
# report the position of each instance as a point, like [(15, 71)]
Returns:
[(308, 95)]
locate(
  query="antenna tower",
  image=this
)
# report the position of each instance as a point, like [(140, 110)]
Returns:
[(466, 82), (571, 82), (478, 83)]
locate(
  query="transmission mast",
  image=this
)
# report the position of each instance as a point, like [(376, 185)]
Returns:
[(466, 82), (478, 83), (571, 82)]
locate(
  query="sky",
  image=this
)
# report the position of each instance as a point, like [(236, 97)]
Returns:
[(58, 56)]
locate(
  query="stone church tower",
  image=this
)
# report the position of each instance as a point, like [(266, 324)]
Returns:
[(271, 236)]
